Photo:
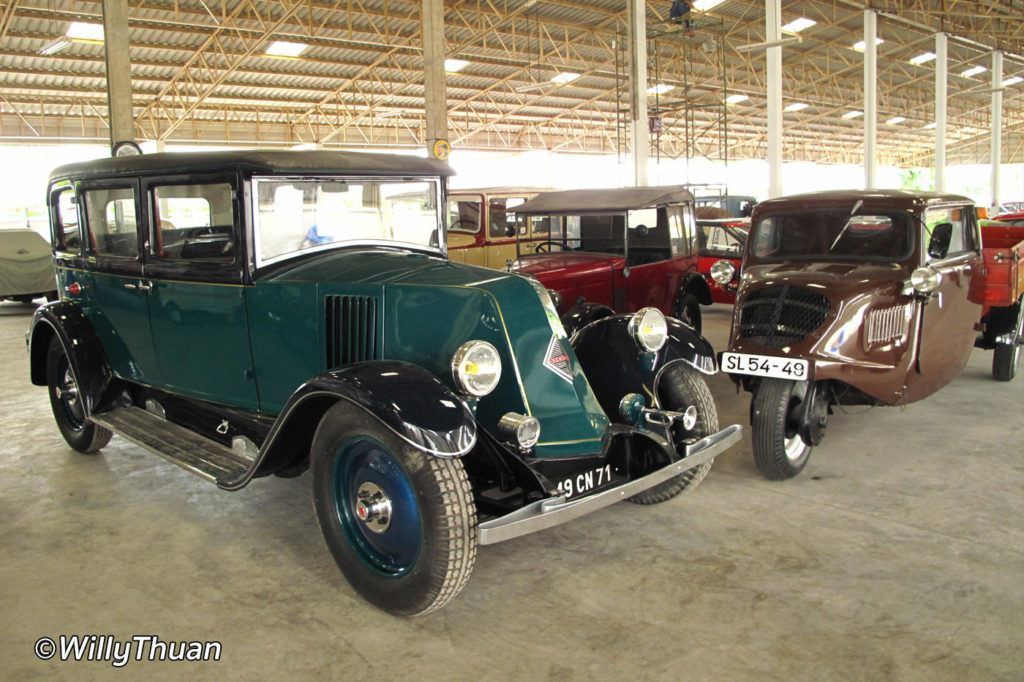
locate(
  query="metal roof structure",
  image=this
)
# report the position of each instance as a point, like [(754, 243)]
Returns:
[(200, 74)]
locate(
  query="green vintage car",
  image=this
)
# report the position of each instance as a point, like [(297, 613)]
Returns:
[(253, 313)]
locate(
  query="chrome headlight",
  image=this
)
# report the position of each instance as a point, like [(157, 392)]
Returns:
[(925, 279), (556, 298), (523, 429), (649, 329), (476, 367), (723, 271)]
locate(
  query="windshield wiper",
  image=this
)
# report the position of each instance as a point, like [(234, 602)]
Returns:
[(853, 211)]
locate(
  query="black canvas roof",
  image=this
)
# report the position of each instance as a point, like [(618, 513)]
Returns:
[(604, 200)]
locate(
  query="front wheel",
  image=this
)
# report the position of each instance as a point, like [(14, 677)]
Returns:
[(779, 451), (67, 404), (683, 387), (687, 309), (401, 524)]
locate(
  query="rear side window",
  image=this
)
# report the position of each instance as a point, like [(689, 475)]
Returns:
[(194, 222), (66, 235), (112, 222)]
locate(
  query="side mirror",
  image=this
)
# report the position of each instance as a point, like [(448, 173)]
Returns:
[(510, 231), (938, 245)]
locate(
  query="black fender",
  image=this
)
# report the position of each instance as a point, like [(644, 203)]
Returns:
[(581, 314), (405, 398), (88, 360), (694, 283), (615, 365)]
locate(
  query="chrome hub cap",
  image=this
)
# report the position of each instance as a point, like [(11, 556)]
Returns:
[(795, 448), (68, 390), (373, 507)]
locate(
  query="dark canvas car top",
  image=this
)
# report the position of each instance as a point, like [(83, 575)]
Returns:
[(256, 161), (603, 200), (875, 198)]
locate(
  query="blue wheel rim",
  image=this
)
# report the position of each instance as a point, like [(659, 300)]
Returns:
[(393, 552)]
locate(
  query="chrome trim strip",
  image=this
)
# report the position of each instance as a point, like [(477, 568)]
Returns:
[(557, 510)]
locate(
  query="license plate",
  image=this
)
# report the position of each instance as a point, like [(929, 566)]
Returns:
[(765, 366), (586, 482)]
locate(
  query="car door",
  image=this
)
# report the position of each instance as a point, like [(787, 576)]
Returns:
[(195, 263), (116, 297), (658, 259), (948, 316)]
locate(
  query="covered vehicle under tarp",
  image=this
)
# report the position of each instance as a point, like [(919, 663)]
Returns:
[(26, 266)]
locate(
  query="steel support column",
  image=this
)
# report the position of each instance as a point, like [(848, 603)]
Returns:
[(870, 98), (638, 90), (119, 75), (773, 55), (436, 105), (941, 84), (997, 124)]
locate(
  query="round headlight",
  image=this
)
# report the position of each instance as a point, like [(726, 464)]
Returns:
[(649, 329), (723, 271), (556, 298), (525, 430), (476, 367), (925, 279)]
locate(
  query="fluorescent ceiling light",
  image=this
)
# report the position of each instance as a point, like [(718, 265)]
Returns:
[(55, 46), (705, 5), (797, 106), (853, 114), (798, 25), (896, 119), (282, 48), (455, 65), (660, 89), (736, 99), (930, 125), (922, 58), (83, 31), (565, 77), (860, 44), (1012, 81), (974, 71)]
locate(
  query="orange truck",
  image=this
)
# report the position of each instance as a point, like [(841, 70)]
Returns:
[(1000, 290)]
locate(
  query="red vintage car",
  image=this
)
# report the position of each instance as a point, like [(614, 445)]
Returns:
[(721, 245), (1016, 218), (615, 250), (999, 287)]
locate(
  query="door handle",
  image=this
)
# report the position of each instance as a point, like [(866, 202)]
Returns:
[(130, 285), (145, 286)]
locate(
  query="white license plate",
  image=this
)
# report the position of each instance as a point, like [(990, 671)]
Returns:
[(765, 366)]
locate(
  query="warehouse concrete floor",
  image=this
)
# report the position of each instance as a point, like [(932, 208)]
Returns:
[(897, 554)]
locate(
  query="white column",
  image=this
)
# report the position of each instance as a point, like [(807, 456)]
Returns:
[(119, 71), (941, 83), (773, 56), (435, 102), (638, 90), (997, 123), (870, 98)]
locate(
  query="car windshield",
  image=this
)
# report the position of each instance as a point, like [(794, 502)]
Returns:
[(725, 241), (294, 215), (833, 235)]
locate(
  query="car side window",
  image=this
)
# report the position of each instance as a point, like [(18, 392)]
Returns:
[(66, 235), (111, 221), (463, 215), (498, 218), (193, 222)]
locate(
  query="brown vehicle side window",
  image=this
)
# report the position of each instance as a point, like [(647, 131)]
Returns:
[(110, 215), (193, 222), (962, 220), (66, 235)]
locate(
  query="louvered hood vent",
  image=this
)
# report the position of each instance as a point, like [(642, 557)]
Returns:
[(351, 330)]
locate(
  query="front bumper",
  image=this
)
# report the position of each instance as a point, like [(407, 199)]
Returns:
[(554, 511)]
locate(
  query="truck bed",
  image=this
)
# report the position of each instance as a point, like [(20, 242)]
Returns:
[(1002, 277)]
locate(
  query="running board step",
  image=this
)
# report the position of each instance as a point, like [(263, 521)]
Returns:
[(187, 449)]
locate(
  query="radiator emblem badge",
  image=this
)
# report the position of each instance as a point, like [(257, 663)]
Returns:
[(557, 360)]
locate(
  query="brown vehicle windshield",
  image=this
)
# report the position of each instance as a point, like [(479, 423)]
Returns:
[(833, 235)]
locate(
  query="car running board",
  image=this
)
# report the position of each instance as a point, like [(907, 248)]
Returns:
[(187, 449)]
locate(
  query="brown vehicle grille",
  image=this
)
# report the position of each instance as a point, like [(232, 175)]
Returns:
[(351, 330), (781, 315)]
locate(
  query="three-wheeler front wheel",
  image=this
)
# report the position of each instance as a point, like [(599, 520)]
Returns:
[(401, 524), (682, 387), (779, 451), (1006, 356)]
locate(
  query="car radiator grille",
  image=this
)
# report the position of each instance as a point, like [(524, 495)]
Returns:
[(781, 315), (351, 330)]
